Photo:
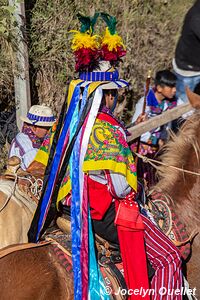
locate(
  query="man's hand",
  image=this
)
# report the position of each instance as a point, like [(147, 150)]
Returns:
[(141, 118)]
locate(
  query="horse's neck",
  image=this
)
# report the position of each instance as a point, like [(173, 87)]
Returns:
[(12, 191), (183, 152)]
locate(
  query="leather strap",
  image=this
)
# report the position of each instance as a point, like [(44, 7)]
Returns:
[(118, 275)]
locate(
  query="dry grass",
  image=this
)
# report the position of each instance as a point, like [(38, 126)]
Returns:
[(7, 47)]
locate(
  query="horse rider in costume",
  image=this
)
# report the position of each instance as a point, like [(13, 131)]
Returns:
[(91, 169)]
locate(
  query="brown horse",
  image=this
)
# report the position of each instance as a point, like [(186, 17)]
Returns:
[(183, 188), (34, 274)]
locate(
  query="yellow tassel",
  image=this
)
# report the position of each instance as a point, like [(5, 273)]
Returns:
[(112, 41), (84, 40)]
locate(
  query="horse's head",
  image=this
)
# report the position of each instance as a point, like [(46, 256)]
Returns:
[(180, 174), (194, 98)]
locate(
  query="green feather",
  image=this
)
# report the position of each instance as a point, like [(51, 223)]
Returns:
[(94, 20), (87, 23), (110, 21)]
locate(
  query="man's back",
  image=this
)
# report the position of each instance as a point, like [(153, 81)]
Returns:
[(188, 47)]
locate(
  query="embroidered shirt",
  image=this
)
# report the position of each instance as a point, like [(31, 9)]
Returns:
[(116, 182)]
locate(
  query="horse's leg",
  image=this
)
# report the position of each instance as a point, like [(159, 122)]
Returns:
[(34, 274)]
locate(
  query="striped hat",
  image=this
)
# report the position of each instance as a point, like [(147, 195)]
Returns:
[(109, 76), (39, 115)]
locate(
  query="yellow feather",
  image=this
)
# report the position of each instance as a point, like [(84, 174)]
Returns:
[(84, 40), (112, 41)]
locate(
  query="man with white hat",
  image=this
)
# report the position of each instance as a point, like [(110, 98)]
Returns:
[(25, 145)]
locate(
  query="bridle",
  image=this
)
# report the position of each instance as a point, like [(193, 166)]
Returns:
[(35, 187)]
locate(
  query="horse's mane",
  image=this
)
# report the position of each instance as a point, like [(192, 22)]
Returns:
[(177, 151)]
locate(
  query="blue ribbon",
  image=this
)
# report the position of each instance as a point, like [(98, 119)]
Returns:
[(96, 284), (76, 201), (56, 160), (97, 288)]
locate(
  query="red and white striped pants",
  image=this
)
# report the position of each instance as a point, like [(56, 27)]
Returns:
[(166, 261)]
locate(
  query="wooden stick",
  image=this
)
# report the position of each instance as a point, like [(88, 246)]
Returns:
[(158, 121)]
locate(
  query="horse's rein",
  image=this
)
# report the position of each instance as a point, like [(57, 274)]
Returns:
[(36, 185), (153, 163), (35, 188)]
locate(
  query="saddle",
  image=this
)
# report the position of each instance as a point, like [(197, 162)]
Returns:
[(27, 183), (166, 218), (108, 256)]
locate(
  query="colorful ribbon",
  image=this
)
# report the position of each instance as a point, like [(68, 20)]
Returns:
[(45, 202)]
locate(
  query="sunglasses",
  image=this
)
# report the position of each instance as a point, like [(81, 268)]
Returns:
[(114, 93)]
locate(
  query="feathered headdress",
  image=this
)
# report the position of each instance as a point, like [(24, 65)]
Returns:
[(90, 49), (85, 45), (112, 47)]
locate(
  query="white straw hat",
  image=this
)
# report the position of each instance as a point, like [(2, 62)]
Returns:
[(39, 115)]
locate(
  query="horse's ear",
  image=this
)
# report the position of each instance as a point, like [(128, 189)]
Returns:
[(194, 98)]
